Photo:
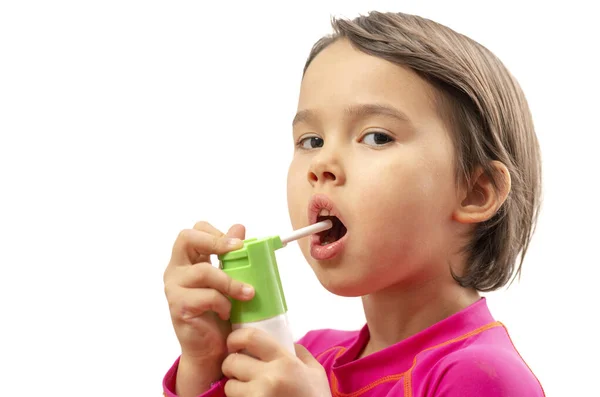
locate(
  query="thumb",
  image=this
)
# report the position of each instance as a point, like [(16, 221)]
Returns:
[(305, 356), (237, 231)]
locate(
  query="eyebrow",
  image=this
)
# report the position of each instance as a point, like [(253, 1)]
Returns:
[(371, 109)]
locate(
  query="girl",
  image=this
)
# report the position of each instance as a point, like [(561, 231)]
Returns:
[(419, 145)]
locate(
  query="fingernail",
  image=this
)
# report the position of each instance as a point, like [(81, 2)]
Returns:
[(233, 242), (247, 290)]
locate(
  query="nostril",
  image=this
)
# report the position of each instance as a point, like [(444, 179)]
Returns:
[(329, 175), (314, 177)]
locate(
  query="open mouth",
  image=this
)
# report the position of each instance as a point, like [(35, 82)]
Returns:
[(336, 232)]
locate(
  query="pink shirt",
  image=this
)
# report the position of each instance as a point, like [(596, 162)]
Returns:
[(465, 355)]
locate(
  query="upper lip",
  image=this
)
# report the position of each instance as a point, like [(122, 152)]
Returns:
[(319, 202)]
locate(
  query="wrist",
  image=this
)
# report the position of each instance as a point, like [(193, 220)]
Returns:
[(196, 376)]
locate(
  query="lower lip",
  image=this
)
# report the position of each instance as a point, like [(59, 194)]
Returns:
[(325, 252)]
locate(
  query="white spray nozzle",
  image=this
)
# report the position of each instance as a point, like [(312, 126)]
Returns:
[(307, 231)]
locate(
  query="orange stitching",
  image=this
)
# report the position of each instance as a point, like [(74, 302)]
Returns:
[(406, 374), (328, 350), (337, 393), (408, 378), (513, 345)]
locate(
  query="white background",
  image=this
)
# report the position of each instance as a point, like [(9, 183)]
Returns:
[(123, 122)]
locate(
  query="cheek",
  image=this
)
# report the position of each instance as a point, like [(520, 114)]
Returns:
[(403, 212), (389, 196)]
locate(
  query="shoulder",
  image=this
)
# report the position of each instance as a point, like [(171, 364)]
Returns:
[(319, 341), (485, 370)]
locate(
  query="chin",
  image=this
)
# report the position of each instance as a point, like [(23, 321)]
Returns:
[(344, 290), (337, 282), (334, 276)]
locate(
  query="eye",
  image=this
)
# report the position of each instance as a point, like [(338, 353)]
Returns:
[(377, 138), (310, 142)]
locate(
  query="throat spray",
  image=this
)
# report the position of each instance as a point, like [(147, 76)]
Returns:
[(255, 264)]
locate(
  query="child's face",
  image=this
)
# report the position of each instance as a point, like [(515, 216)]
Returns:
[(396, 198)]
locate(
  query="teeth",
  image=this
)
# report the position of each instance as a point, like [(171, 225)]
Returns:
[(324, 212)]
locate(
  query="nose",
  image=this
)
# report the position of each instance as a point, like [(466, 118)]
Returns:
[(326, 168)]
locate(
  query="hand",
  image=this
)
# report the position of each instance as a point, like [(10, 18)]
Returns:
[(196, 290), (271, 371)]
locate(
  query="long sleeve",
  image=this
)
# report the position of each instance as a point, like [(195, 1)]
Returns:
[(217, 389)]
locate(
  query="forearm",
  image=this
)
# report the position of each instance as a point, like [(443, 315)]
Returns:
[(194, 378)]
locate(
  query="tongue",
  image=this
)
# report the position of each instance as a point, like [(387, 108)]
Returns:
[(328, 239), (331, 235)]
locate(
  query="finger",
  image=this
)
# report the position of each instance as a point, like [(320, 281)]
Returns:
[(208, 228), (193, 302), (237, 231), (236, 388), (256, 342), (192, 246), (241, 367), (305, 356), (204, 275)]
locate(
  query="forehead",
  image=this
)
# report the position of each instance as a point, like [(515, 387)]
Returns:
[(341, 76)]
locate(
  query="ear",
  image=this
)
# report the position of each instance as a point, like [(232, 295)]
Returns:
[(480, 201)]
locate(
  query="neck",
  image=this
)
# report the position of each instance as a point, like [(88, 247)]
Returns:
[(397, 313)]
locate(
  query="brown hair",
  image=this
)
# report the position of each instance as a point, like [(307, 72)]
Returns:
[(490, 119)]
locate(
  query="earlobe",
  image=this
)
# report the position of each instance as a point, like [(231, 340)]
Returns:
[(481, 200)]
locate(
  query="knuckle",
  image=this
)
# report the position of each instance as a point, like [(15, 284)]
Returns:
[(199, 273), (230, 362), (213, 302), (214, 244), (215, 297), (228, 389), (252, 338), (251, 335), (167, 289), (171, 291), (272, 382), (286, 365), (226, 303), (201, 225), (170, 274), (184, 235), (229, 285)]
